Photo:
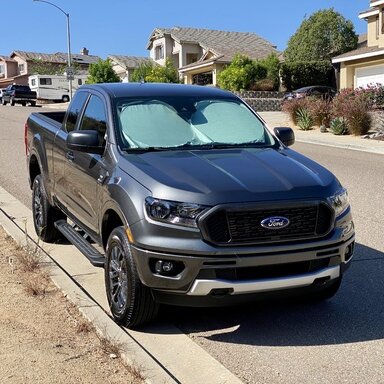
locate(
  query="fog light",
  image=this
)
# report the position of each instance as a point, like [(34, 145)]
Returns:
[(163, 266), (349, 251)]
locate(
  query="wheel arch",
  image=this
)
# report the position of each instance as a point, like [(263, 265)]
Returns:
[(111, 220)]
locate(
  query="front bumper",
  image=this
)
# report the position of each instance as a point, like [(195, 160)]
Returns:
[(264, 270)]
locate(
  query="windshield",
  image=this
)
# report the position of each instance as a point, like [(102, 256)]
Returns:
[(186, 122)]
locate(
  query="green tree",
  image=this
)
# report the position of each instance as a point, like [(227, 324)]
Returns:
[(151, 72), (322, 36), (102, 72), (241, 73), (272, 64), (141, 73)]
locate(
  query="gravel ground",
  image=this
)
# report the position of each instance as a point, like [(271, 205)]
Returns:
[(45, 339)]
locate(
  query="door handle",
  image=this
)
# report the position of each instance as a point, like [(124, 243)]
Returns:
[(70, 156)]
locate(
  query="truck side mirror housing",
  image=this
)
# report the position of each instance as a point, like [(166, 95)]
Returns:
[(285, 135), (85, 141)]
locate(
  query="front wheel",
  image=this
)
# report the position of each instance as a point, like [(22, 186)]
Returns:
[(44, 215), (130, 301), (12, 101)]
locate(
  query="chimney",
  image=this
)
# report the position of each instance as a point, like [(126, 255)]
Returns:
[(84, 51)]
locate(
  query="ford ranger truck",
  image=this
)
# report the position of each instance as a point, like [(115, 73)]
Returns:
[(185, 197)]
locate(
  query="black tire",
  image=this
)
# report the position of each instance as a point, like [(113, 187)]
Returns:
[(12, 101), (3, 102), (131, 303), (65, 99), (32, 103), (44, 215), (23, 103)]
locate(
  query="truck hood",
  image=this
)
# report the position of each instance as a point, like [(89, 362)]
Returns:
[(230, 175)]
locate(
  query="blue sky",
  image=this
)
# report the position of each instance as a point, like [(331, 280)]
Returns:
[(123, 26)]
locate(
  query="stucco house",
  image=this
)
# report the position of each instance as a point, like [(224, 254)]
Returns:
[(200, 54), (365, 65), (124, 66), (20, 64)]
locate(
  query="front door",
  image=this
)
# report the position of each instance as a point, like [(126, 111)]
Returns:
[(86, 172)]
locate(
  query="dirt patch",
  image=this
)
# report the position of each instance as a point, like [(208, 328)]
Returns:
[(43, 337)]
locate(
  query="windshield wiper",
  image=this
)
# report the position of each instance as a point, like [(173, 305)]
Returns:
[(144, 149)]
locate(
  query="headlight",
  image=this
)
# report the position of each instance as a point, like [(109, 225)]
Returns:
[(172, 212), (339, 201)]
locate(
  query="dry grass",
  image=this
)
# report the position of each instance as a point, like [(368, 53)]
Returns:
[(36, 284), (108, 345), (137, 372)]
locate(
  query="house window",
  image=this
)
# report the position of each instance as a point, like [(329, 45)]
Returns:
[(21, 68), (2, 69), (79, 81), (33, 82), (191, 58), (45, 81), (159, 52)]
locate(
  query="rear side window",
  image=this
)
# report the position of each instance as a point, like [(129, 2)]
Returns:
[(74, 110), (95, 118)]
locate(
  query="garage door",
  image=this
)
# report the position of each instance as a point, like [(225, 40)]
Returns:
[(369, 75)]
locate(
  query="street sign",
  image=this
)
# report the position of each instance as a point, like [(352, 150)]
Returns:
[(70, 73)]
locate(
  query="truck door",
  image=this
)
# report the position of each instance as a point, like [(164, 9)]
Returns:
[(84, 171)]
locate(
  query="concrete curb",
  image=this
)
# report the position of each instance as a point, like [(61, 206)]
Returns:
[(164, 353)]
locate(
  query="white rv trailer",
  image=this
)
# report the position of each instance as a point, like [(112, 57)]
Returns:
[(54, 87)]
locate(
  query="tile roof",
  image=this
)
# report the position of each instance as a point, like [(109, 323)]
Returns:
[(359, 51), (58, 57), (129, 61), (7, 58), (222, 43)]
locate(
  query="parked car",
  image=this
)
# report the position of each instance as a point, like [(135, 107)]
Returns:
[(321, 91), (190, 197), (18, 94)]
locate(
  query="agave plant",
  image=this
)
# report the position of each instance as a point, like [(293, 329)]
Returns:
[(304, 119), (339, 126)]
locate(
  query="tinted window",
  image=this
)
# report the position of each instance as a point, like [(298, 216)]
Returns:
[(74, 110), (45, 81), (94, 117)]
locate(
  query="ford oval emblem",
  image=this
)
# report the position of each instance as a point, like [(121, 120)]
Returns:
[(275, 222)]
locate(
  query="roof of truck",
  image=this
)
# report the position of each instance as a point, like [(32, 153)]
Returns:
[(158, 89)]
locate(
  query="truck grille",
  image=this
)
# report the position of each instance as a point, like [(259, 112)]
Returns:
[(243, 226)]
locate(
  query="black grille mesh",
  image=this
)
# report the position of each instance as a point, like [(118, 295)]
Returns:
[(244, 226)]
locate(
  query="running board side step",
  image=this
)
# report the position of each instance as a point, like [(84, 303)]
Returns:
[(92, 254)]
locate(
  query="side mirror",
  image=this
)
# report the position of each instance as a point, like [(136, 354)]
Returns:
[(84, 141), (285, 135)]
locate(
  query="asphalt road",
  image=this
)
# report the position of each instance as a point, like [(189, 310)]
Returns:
[(340, 341)]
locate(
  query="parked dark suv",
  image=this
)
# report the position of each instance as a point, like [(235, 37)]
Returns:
[(320, 91)]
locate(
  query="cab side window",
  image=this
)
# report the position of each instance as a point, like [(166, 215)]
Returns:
[(95, 118), (75, 110)]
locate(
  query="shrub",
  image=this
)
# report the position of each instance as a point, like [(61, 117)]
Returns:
[(300, 74), (338, 126), (241, 74), (354, 106), (321, 110), (292, 106), (304, 119), (263, 85), (272, 65)]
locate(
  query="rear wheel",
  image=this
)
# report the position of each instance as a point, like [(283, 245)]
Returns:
[(130, 301), (44, 215), (23, 103), (65, 99), (32, 103), (12, 101), (3, 102)]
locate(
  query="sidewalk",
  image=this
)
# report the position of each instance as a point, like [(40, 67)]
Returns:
[(281, 119)]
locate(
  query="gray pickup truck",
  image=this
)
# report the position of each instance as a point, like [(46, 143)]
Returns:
[(184, 196)]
